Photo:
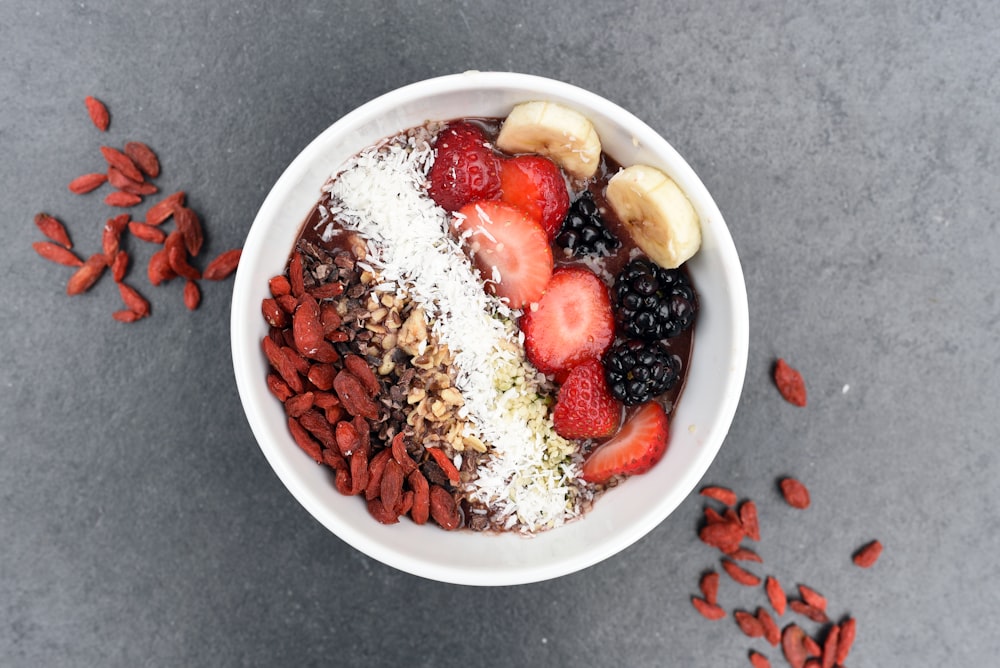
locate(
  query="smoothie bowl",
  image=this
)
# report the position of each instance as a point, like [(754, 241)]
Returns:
[(489, 328)]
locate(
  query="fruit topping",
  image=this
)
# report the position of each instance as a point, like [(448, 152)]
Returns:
[(653, 303), (583, 231), (555, 131), (637, 371), (584, 407), (465, 169), (657, 213), (509, 248), (572, 322), (536, 185), (635, 449)]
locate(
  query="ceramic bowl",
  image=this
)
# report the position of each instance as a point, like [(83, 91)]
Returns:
[(623, 515)]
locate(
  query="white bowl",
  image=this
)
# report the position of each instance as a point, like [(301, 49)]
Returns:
[(623, 515)]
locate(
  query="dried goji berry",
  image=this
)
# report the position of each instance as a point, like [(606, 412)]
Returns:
[(159, 269), (758, 660), (812, 597), (443, 508), (299, 404), (192, 294), (121, 162), (739, 574), (353, 396), (223, 265), (722, 535), (381, 513), (279, 285), (771, 631), (122, 199), (88, 273), (53, 229), (723, 494), (792, 645), (806, 610), (85, 183), (709, 585), (98, 113), (53, 252), (165, 208), (318, 426), (143, 157), (441, 459), (376, 467), (278, 387), (749, 624), (359, 473), (119, 266), (400, 454), (748, 519), (347, 438), (146, 232), (790, 383), (829, 655), (296, 278), (322, 375), (189, 225), (306, 327), (776, 595), (868, 554), (177, 256), (125, 315), (133, 300), (848, 629), (796, 494), (360, 368), (420, 512), (305, 441), (391, 487), (708, 610), (745, 554)]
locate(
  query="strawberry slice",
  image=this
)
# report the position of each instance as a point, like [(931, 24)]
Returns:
[(572, 322), (635, 449), (465, 169), (585, 407), (535, 184), (510, 250)]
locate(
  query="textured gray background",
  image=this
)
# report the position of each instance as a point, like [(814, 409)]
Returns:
[(853, 148)]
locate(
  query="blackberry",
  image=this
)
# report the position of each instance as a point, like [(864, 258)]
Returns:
[(583, 231), (637, 371), (653, 303)]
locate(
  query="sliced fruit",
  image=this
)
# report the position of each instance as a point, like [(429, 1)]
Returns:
[(572, 322), (509, 248), (535, 184), (635, 449), (555, 131), (465, 168), (584, 407), (657, 213)]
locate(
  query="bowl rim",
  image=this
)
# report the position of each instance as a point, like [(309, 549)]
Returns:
[(693, 187)]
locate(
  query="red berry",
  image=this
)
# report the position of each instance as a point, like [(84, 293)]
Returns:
[(535, 184), (635, 449), (509, 249), (572, 322), (584, 407), (465, 169)]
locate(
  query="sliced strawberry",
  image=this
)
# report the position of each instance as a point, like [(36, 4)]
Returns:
[(509, 249), (585, 407), (465, 168), (535, 184), (571, 323), (635, 449)]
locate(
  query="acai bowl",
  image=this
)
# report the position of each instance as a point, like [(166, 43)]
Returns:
[(482, 334)]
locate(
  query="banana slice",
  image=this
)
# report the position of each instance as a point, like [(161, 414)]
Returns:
[(657, 213), (562, 134)]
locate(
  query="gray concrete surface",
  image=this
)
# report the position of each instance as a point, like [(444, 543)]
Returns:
[(852, 146)]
